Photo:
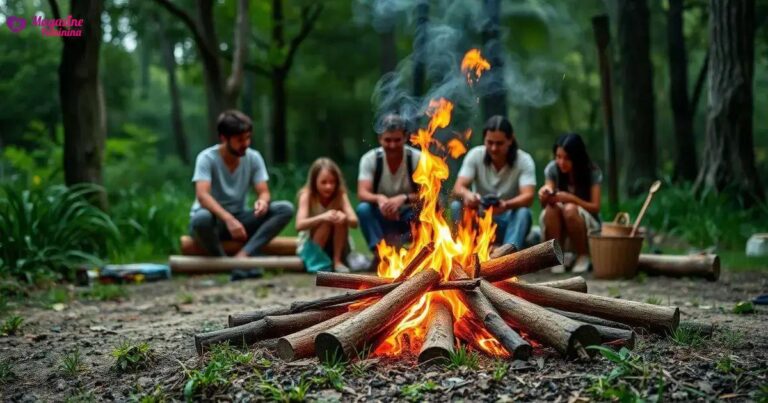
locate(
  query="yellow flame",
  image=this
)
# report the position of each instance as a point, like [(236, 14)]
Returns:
[(474, 62)]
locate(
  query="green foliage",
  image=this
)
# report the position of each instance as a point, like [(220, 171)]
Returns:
[(11, 325), (653, 300), (71, 364), (331, 374), (731, 339), (619, 384), (132, 356), (222, 361), (81, 396), (628, 363), (463, 357), (415, 392), (744, 307), (6, 371), (687, 336), (105, 292), (293, 394), (500, 369), (157, 395), (185, 298), (49, 231), (727, 366)]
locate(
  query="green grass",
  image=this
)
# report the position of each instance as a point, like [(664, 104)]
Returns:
[(71, 364), (731, 339), (11, 325), (330, 374), (106, 292), (156, 395), (687, 336), (132, 356), (738, 261), (463, 357), (81, 396), (185, 297), (292, 394), (415, 392), (500, 369), (653, 300), (6, 371), (222, 361)]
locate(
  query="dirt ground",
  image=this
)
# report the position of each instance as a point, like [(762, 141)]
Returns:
[(731, 364)]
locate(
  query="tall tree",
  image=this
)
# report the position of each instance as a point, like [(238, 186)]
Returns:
[(282, 55), (729, 158), (420, 48), (637, 94), (495, 100), (167, 47), (82, 98), (221, 93), (685, 146)]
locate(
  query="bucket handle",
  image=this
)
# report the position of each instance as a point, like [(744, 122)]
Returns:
[(622, 218)]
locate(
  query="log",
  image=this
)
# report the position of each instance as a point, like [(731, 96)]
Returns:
[(503, 250), (533, 259), (211, 265), (416, 262), (484, 311), (438, 342), (278, 246), (660, 319), (593, 320), (577, 284), (266, 328), (302, 343), (701, 265), (344, 339), (616, 337), (241, 318), (567, 336)]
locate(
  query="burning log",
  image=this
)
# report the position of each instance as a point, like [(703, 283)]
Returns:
[(210, 265), (533, 259), (302, 343), (483, 310), (638, 314), (566, 335), (266, 328), (347, 337), (702, 265), (416, 262), (438, 343)]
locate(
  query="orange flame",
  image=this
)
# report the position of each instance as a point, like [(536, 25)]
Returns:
[(473, 62), (469, 328)]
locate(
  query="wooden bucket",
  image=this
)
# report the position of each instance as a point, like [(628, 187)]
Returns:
[(614, 256), (620, 226)]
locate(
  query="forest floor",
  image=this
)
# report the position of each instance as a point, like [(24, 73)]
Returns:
[(39, 364)]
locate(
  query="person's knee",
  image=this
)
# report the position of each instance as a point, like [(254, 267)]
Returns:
[(524, 215), (571, 213), (282, 208), (365, 209), (202, 220)]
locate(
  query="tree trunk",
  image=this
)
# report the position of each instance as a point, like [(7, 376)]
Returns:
[(420, 48), (212, 71), (494, 102), (603, 39), (145, 61), (637, 93), (177, 125), (387, 51), (729, 159), (685, 152), (82, 99), (279, 142)]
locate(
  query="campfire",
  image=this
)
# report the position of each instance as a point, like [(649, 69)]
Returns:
[(448, 288)]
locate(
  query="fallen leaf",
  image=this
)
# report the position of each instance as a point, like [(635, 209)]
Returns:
[(58, 307)]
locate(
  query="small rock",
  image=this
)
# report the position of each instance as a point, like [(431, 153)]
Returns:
[(61, 385), (145, 382), (56, 329)]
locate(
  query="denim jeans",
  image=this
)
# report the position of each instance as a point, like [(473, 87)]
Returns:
[(375, 227), (512, 226), (209, 230)]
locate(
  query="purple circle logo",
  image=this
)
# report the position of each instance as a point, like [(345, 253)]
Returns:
[(15, 24)]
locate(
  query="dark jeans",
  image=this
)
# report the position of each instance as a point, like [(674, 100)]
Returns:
[(208, 230), (375, 227), (512, 226)]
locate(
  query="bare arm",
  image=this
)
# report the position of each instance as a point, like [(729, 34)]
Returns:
[(203, 194), (593, 206), (349, 212), (303, 221), (365, 192)]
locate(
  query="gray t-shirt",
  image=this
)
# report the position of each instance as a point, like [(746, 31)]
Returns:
[(230, 189), (390, 184), (504, 183), (550, 173)]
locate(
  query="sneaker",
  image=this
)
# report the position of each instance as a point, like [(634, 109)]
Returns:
[(242, 274), (341, 268), (582, 264), (559, 269)]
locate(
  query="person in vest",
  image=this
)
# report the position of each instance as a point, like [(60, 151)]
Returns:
[(498, 176), (385, 186), (223, 175), (570, 199)]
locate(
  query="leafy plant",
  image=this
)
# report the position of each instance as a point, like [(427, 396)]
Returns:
[(731, 338), (106, 292), (157, 395), (415, 392), (687, 336), (48, 231), (463, 357), (186, 298), (6, 371), (727, 366), (222, 360), (330, 374), (292, 394), (653, 300), (744, 307), (72, 363), (129, 356), (11, 325), (81, 396), (500, 369), (628, 363)]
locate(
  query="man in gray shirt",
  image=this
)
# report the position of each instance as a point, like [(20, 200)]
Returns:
[(223, 175)]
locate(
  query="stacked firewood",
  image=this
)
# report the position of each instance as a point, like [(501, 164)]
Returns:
[(560, 314)]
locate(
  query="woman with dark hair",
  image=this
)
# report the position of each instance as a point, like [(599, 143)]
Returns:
[(570, 198), (498, 176)]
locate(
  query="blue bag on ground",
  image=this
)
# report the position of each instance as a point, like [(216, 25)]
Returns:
[(314, 257)]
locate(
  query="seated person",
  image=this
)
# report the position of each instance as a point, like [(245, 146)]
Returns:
[(502, 174), (570, 198), (223, 174), (385, 186), (324, 213)]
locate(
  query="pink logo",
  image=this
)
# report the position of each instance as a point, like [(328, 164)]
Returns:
[(15, 24)]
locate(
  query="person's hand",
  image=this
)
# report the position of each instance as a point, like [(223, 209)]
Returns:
[(260, 208), (546, 196), (388, 208), (503, 205), (563, 197), (236, 229), (472, 201), (336, 217)]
